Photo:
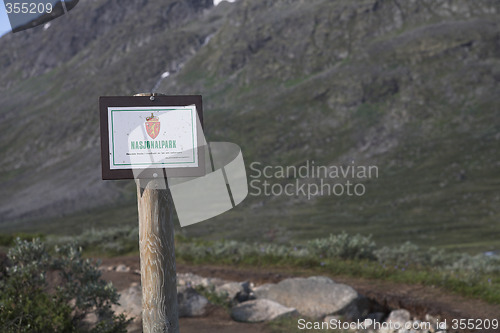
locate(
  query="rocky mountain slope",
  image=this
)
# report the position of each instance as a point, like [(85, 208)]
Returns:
[(408, 86)]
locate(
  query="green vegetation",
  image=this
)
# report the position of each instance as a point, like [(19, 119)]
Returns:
[(342, 254), (48, 307), (214, 297), (292, 81), (8, 240), (42, 291), (110, 242), (475, 276), (343, 246)]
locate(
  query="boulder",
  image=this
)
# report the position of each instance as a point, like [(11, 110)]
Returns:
[(246, 294), (191, 304), (260, 310), (130, 302), (237, 291), (230, 289), (316, 297)]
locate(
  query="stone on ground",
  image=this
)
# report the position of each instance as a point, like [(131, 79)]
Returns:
[(130, 302), (399, 316), (260, 310), (191, 304), (316, 297)]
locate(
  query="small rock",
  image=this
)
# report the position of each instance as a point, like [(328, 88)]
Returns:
[(246, 294), (260, 310), (247, 285), (90, 319), (235, 291), (191, 304), (434, 323), (400, 316), (122, 269)]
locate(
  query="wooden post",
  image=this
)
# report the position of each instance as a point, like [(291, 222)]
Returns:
[(160, 312), (156, 245)]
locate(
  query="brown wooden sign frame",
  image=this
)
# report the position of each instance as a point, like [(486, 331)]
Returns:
[(106, 102)]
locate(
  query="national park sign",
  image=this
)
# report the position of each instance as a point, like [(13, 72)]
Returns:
[(151, 136)]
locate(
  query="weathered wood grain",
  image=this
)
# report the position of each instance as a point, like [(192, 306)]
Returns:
[(156, 244)]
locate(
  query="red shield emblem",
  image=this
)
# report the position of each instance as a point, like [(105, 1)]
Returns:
[(152, 126)]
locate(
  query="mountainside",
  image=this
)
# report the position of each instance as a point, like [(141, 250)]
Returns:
[(411, 87)]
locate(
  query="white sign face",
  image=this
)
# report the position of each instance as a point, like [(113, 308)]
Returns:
[(152, 137)]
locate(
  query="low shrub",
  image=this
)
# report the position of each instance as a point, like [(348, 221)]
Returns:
[(112, 241), (31, 302), (342, 254), (9, 239), (343, 246)]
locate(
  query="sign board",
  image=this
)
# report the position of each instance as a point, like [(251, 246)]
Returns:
[(149, 137)]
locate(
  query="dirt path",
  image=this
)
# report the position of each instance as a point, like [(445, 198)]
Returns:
[(217, 320), (419, 300)]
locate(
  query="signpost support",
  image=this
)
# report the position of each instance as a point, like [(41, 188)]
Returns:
[(160, 312), (131, 144), (156, 245)]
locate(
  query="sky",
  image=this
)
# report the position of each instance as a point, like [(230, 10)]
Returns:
[(4, 20)]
